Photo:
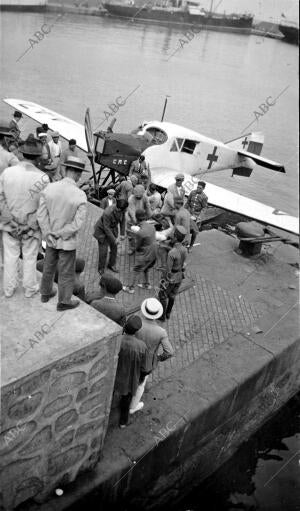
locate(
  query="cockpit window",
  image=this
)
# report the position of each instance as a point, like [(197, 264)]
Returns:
[(158, 135), (176, 146), (189, 146), (179, 142)]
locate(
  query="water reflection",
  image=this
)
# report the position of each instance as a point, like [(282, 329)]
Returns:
[(263, 475)]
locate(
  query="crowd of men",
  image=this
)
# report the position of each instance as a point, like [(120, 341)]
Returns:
[(40, 200)]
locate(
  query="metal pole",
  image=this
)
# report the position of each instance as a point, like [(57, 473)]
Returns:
[(90, 146), (165, 106)]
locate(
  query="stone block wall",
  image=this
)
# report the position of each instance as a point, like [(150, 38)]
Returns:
[(53, 422)]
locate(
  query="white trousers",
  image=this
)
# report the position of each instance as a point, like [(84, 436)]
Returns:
[(1, 250), (138, 395), (11, 254)]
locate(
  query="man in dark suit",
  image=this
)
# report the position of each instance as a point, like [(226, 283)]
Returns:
[(133, 366), (146, 252), (140, 169), (105, 300), (78, 289), (109, 200), (106, 233)]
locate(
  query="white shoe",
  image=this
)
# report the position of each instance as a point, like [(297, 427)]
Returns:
[(129, 289), (9, 294), (145, 286), (137, 409), (29, 294)]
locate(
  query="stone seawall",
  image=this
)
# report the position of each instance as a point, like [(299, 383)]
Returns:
[(58, 372), (194, 421)]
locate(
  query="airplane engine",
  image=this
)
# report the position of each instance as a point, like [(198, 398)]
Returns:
[(245, 168), (117, 151)]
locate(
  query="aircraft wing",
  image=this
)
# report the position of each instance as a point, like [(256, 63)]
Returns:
[(56, 122), (232, 201), (164, 177)]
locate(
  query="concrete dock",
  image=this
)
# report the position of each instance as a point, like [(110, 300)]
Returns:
[(235, 331)]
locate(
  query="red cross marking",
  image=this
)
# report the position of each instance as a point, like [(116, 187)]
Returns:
[(212, 157)]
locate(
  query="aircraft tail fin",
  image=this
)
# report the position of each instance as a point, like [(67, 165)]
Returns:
[(252, 143)]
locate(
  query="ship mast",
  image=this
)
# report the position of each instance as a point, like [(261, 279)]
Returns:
[(211, 6)]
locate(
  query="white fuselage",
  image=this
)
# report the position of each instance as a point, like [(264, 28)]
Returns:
[(187, 151)]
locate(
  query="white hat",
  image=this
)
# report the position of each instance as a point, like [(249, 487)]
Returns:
[(151, 308), (42, 135)]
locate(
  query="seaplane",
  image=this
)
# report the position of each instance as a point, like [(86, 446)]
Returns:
[(169, 149)]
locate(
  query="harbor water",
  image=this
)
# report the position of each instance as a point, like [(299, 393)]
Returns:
[(264, 474), (216, 83)]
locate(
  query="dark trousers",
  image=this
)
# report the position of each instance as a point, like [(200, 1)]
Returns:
[(131, 236), (194, 231), (124, 407), (122, 224), (166, 296), (64, 262), (193, 238), (103, 245)]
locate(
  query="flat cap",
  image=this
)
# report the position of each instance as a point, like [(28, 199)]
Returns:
[(139, 190), (111, 284), (133, 324), (55, 134), (179, 176), (180, 233), (181, 229)]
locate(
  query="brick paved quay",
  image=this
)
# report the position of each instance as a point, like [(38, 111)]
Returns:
[(235, 330), (205, 314)]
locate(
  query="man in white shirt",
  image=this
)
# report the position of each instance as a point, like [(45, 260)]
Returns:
[(20, 188), (154, 198), (71, 150), (175, 190), (56, 151), (46, 155), (55, 147), (14, 125), (61, 213)]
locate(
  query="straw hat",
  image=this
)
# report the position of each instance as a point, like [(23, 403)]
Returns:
[(75, 163), (151, 308)]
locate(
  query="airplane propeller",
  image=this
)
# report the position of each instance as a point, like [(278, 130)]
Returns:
[(111, 125)]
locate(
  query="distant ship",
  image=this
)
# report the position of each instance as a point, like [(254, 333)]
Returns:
[(22, 5), (290, 30), (180, 12)]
